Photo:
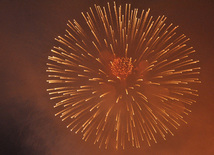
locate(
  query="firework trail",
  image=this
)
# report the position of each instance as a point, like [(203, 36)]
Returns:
[(122, 79)]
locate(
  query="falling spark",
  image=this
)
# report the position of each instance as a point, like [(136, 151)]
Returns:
[(124, 80)]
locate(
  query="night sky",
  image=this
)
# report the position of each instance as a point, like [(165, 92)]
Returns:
[(27, 121)]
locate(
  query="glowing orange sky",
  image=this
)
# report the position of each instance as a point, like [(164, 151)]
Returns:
[(28, 124)]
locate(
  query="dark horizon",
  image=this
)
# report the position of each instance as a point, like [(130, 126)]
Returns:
[(28, 124)]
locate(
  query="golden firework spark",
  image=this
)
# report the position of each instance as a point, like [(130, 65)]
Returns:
[(123, 78)]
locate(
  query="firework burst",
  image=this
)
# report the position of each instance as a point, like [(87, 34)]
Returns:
[(122, 79)]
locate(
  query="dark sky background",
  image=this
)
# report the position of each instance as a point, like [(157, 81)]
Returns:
[(27, 32)]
